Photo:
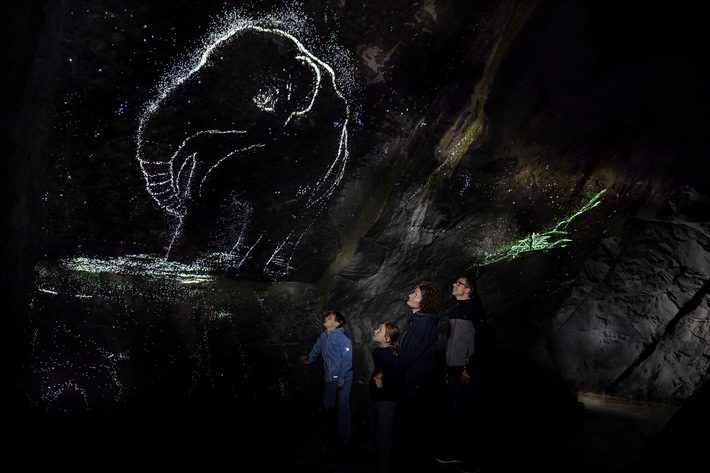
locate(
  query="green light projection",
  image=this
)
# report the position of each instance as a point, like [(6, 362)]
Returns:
[(142, 275), (547, 240), (153, 266), (176, 275)]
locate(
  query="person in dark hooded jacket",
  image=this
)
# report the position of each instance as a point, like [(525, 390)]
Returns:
[(418, 354), (384, 388)]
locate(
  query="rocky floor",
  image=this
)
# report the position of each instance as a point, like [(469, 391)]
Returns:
[(605, 437), (611, 434)]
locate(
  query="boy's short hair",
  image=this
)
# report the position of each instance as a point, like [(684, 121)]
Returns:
[(470, 282), (338, 317)]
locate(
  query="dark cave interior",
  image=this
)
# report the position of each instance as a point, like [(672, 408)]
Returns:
[(189, 186)]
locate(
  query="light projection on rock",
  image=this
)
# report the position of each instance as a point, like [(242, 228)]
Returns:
[(218, 126), (258, 97), (543, 241), (222, 122)]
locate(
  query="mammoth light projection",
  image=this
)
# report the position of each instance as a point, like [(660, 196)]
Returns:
[(254, 95), (260, 95)]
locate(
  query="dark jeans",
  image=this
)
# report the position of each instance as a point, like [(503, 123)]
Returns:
[(464, 421), (414, 429), (383, 412), (463, 396)]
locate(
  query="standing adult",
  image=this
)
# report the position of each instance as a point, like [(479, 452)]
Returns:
[(465, 348), (384, 385), (336, 350), (414, 417)]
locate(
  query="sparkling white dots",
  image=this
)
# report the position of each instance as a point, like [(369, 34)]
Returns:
[(173, 180)]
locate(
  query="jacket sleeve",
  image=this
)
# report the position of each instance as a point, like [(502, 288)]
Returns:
[(316, 350)]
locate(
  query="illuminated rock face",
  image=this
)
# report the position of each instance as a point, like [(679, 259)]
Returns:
[(635, 316), (541, 120)]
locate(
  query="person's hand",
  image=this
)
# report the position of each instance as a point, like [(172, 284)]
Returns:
[(339, 387), (464, 376), (378, 379), (303, 360)]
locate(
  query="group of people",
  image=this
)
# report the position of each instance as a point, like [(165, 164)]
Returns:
[(407, 379)]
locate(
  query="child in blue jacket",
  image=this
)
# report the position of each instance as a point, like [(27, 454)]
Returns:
[(336, 350)]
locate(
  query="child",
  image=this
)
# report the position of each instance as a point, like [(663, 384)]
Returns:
[(384, 385), (336, 350)]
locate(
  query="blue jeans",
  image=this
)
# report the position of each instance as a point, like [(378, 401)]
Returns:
[(332, 399)]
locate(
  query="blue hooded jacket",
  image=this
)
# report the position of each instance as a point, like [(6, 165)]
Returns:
[(336, 349)]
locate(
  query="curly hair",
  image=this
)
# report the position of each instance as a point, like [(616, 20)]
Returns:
[(431, 297)]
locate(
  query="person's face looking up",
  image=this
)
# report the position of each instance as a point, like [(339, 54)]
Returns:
[(415, 299), (329, 322), (461, 288), (380, 335)]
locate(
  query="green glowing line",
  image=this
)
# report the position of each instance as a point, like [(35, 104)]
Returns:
[(147, 265), (538, 241), (594, 201)]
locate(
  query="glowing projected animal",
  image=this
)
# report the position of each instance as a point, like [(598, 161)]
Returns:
[(243, 148)]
